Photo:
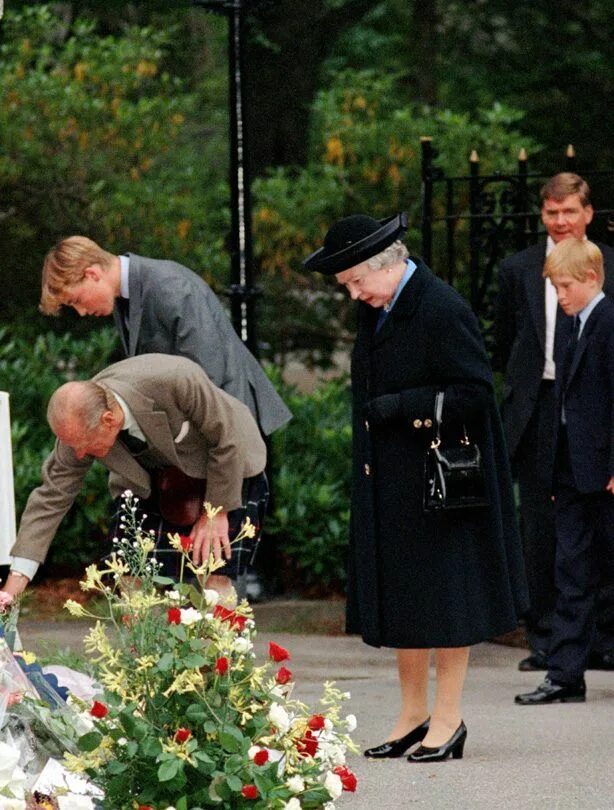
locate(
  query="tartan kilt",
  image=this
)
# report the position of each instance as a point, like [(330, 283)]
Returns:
[(254, 497)]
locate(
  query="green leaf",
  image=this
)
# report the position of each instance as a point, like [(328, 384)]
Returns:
[(90, 741), (116, 767), (231, 739), (163, 580), (234, 783), (168, 770), (194, 661), (166, 662)]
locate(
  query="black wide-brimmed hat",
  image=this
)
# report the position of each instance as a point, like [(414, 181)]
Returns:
[(353, 240)]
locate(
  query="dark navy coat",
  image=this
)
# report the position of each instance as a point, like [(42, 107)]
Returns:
[(589, 400), (418, 580)]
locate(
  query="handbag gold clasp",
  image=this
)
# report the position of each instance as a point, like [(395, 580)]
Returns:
[(435, 443)]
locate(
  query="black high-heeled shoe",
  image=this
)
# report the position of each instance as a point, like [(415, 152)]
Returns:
[(454, 746), (396, 748)]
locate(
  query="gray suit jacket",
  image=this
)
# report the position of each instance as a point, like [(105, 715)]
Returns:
[(187, 421), (173, 311)]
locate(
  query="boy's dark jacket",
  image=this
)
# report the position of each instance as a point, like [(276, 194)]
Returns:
[(589, 400)]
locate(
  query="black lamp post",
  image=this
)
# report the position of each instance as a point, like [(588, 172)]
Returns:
[(242, 292)]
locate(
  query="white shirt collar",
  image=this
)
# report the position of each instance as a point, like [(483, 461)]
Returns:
[(124, 268)]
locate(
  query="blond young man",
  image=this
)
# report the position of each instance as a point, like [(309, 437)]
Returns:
[(584, 466), (159, 306)]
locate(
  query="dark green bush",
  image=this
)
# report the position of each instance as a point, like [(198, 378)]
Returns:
[(30, 370), (311, 461)]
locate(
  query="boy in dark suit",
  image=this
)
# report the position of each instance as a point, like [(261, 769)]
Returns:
[(584, 466)]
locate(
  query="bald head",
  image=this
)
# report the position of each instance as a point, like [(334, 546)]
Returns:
[(86, 416)]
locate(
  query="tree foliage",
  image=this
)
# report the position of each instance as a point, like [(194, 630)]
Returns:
[(94, 138)]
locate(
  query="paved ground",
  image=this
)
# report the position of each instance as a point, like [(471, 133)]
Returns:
[(554, 757)]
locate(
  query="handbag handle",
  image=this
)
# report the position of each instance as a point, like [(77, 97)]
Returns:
[(437, 419), (436, 441)]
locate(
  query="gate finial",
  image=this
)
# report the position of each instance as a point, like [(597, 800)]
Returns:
[(522, 155), (474, 158)]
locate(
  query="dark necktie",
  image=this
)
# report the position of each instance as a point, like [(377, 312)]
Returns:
[(570, 350), (134, 445)]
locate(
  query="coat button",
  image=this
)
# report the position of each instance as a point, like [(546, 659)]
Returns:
[(417, 423), (367, 469), (367, 425), (428, 423)]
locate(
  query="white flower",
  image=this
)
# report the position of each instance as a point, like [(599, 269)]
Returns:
[(253, 750), (9, 757), (333, 784), (12, 804), (329, 806), (241, 645), (293, 804), (174, 596), (211, 597), (190, 616), (75, 801), (279, 717), (328, 724), (350, 722), (331, 754), (296, 784)]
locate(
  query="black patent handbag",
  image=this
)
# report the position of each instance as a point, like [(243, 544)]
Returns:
[(453, 475)]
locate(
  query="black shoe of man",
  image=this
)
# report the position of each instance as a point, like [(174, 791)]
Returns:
[(534, 662), (550, 692)]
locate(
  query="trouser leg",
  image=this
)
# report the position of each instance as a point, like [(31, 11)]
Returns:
[(576, 579)]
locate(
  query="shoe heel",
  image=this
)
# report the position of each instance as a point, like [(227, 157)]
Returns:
[(457, 753)]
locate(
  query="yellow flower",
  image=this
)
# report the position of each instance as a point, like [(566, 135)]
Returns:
[(93, 579), (188, 681), (74, 608), (145, 663), (178, 749), (28, 657)]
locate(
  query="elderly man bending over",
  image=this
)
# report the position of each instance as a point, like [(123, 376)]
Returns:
[(159, 425)]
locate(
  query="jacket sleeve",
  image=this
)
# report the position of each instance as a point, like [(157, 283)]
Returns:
[(62, 475), (504, 323)]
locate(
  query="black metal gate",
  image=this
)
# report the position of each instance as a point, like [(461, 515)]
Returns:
[(470, 223)]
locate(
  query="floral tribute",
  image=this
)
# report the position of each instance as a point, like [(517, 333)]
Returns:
[(188, 718)]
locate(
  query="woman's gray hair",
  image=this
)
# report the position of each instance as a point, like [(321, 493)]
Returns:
[(393, 254), (81, 402)]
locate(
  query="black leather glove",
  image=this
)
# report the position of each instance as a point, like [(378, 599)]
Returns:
[(383, 408)]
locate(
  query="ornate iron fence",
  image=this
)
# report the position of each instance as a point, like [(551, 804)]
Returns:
[(469, 223)]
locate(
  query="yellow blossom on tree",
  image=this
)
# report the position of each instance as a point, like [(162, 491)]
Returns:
[(334, 151)]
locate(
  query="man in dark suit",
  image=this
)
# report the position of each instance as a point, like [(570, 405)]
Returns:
[(584, 467), (181, 420), (160, 306), (527, 319)]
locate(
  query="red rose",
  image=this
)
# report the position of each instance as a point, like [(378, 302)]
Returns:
[(174, 616), (234, 620), (261, 757), (221, 665), (283, 676), (316, 722), (186, 542), (145, 807), (183, 735), (348, 779), (127, 620), (249, 791), (278, 653), (308, 745), (98, 710)]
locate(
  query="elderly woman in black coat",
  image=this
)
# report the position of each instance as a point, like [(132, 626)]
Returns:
[(420, 580)]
